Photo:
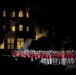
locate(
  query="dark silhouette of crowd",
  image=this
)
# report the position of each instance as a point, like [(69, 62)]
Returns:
[(27, 65), (23, 65)]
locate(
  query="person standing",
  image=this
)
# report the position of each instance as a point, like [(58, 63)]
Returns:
[(75, 57), (72, 57), (50, 58), (53, 53), (39, 58), (63, 57), (69, 57), (59, 57), (47, 57)]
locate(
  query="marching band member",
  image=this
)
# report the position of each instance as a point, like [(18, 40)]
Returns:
[(59, 57), (72, 57), (17, 54), (29, 55), (13, 53), (47, 58), (35, 56), (44, 57), (75, 56), (63, 57), (32, 57), (69, 57), (56, 57), (39, 57), (50, 58), (53, 57)]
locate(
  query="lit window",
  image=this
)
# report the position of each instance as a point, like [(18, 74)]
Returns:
[(20, 13), (2, 46), (10, 43), (4, 27), (13, 28), (13, 14), (12, 46), (8, 46), (4, 13), (12, 40), (20, 27), (27, 14), (20, 43), (8, 40), (27, 29)]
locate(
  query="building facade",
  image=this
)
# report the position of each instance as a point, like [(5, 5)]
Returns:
[(19, 27)]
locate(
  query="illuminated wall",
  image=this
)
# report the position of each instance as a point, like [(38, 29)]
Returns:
[(13, 28), (10, 43), (27, 29), (20, 13), (2, 46), (4, 13), (38, 35), (20, 27), (20, 43), (27, 14), (13, 14)]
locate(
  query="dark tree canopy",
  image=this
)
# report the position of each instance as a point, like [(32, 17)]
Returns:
[(33, 45), (43, 43)]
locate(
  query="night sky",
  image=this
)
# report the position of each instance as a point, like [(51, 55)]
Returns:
[(48, 13), (61, 15)]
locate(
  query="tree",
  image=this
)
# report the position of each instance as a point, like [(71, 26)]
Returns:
[(43, 43), (33, 45)]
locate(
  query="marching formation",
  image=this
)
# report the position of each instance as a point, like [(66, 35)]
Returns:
[(48, 57)]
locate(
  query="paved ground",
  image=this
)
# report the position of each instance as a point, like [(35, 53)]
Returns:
[(70, 67)]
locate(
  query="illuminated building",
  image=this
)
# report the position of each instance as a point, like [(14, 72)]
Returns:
[(40, 32), (18, 25)]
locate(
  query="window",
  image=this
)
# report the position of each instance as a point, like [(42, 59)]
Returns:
[(12, 40), (20, 43), (27, 29), (8, 46), (8, 40), (20, 27), (4, 27), (4, 13), (13, 14), (2, 46), (27, 14), (12, 46), (10, 43), (20, 13), (13, 28)]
